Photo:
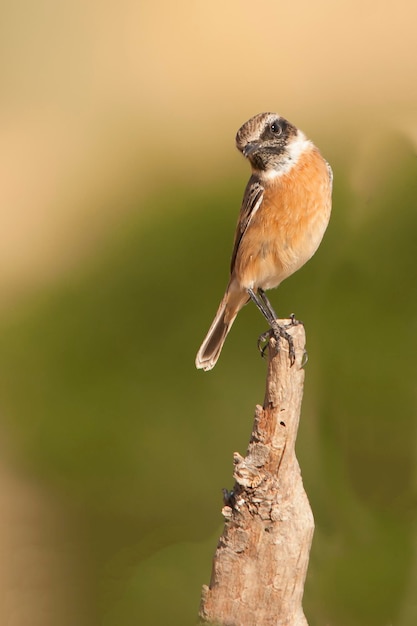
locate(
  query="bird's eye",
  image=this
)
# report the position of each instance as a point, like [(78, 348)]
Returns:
[(276, 128)]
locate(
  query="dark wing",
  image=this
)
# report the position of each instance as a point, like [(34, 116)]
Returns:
[(252, 200)]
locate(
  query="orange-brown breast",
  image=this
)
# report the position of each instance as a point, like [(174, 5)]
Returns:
[(289, 225)]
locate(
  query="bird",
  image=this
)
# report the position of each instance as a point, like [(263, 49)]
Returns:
[(284, 214)]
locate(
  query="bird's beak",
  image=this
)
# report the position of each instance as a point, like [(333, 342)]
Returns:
[(250, 148)]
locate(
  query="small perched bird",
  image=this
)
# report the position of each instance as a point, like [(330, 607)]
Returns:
[(284, 214)]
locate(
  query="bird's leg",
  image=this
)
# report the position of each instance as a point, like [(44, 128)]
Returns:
[(264, 298), (270, 318), (294, 322), (270, 315), (267, 311), (278, 331)]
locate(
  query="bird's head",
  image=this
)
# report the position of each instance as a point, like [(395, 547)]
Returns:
[(271, 143)]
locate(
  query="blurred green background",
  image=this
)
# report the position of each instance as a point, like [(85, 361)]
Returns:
[(120, 193)]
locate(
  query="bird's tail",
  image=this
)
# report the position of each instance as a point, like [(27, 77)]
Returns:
[(212, 345)]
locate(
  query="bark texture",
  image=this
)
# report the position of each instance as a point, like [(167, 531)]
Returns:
[(261, 560)]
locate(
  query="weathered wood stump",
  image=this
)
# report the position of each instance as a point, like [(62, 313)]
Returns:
[(261, 560)]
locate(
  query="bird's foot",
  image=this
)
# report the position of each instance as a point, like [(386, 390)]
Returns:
[(264, 339), (278, 332)]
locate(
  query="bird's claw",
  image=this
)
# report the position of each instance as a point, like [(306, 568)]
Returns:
[(278, 332), (291, 349), (264, 339), (294, 321)]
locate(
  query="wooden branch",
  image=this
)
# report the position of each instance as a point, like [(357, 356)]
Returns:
[(261, 560)]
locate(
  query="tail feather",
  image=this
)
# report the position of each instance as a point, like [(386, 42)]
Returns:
[(212, 345)]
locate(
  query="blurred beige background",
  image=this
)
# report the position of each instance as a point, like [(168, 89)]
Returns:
[(105, 104), (99, 99)]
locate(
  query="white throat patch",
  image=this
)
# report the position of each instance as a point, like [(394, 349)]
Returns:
[(298, 146)]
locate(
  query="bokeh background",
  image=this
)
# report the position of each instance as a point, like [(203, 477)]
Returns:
[(119, 194)]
